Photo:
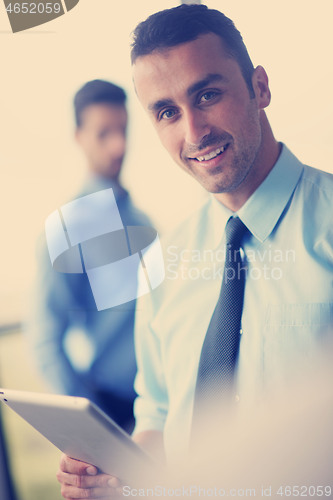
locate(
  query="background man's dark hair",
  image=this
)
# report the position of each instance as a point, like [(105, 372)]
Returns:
[(97, 92), (185, 23)]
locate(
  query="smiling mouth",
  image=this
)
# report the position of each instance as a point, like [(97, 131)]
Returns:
[(211, 155)]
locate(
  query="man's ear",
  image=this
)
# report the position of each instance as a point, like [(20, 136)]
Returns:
[(260, 87)]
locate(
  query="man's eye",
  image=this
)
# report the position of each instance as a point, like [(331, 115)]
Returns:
[(208, 96), (167, 114), (102, 135)]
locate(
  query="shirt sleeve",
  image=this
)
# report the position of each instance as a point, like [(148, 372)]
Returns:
[(47, 325), (151, 405)]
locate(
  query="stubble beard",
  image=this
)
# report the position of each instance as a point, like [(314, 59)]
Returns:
[(229, 176)]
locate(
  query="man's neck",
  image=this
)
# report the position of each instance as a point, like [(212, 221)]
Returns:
[(107, 179), (267, 157)]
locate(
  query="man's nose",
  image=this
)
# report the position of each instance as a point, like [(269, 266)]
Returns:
[(196, 127)]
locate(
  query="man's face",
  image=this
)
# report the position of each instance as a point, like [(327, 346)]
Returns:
[(201, 108), (102, 136)]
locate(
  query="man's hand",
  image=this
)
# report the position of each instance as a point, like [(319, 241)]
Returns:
[(80, 480)]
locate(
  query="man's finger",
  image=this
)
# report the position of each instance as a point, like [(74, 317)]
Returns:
[(73, 466), (83, 481), (73, 492), (114, 482), (90, 498)]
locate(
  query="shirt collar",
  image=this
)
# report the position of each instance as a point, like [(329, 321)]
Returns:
[(219, 217), (263, 209)]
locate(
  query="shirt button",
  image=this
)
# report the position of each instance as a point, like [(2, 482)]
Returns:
[(237, 398), (241, 331)]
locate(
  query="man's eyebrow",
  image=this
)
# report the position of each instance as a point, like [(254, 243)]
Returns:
[(210, 78), (161, 103)]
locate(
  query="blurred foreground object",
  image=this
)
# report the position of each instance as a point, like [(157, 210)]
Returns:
[(284, 442), (6, 484)]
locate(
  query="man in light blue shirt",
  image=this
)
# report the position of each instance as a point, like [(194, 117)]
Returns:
[(193, 75), (287, 304), (82, 351)]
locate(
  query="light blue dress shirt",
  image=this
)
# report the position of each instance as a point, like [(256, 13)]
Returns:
[(288, 302)]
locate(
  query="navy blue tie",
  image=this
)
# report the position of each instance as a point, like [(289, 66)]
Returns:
[(220, 348)]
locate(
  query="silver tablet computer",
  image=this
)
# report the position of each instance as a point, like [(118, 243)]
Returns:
[(81, 430)]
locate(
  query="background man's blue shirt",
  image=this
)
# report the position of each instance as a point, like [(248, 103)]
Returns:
[(79, 349)]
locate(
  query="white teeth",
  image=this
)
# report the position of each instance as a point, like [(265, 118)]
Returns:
[(211, 155)]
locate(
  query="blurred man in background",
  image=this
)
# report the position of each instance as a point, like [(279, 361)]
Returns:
[(82, 351)]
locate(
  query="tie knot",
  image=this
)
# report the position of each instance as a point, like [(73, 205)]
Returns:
[(235, 230)]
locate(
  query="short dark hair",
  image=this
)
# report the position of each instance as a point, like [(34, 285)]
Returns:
[(185, 23), (97, 92)]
